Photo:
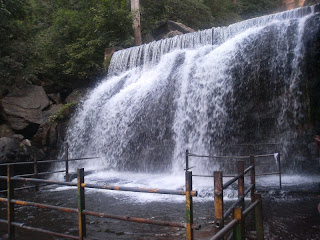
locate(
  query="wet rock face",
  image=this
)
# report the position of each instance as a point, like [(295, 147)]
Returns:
[(23, 108), (11, 150)]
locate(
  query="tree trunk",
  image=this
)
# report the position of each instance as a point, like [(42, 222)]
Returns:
[(135, 5)]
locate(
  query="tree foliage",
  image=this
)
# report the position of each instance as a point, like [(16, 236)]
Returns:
[(189, 12), (64, 40)]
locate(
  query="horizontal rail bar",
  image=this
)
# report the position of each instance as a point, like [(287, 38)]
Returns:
[(108, 187), (40, 173), (251, 206), (265, 155), (144, 190), (49, 161), (40, 205), (202, 176), (21, 225), (134, 219), (208, 156), (230, 209), (265, 174), (224, 230), (255, 144), (43, 181), (23, 188)]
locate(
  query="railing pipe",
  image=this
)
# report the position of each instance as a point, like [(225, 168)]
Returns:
[(240, 167), (259, 218), (81, 205), (10, 205), (107, 187), (40, 205), (231, 208), (48, 161), (135, 219), (224, 230), (187, 160), (189, 206), (35, 171), (67, 161), (227, 184), (279, 167), (21, 225), (218, 201), (250, 208), (253, 176), (238, 233)]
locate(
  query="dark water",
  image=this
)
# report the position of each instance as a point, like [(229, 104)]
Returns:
[(288, 214)]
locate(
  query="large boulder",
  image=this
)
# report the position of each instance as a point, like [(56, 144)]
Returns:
[(170, 29), (24, 107), (11, 150)]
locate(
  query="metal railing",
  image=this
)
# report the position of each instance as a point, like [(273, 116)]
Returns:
[(81, 210), (238, 208)]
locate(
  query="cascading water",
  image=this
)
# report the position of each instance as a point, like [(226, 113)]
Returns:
[(200, 91)]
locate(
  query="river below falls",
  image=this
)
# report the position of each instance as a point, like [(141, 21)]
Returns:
[(288, 214)]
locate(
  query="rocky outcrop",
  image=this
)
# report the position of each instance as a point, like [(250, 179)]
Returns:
[(32, 113), (24, 107), (11, 150), (170, 29)]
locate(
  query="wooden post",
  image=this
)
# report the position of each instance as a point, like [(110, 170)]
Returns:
[(218, 200), (253, 176), (259, 217), (10, 206), (240, 167), (279, 167), (238, 233), (187, 160), (35, 171), (67, 161), (135, 10), (81, 205), (189, 206)]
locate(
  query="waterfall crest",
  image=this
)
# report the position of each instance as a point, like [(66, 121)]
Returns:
[(198, 91)]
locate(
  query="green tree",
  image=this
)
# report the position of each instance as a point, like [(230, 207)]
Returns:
[(189, 12)]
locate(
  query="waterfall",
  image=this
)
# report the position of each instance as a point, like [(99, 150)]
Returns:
[(198, 91)]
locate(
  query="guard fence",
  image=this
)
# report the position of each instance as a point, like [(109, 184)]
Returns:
[(223, 223)]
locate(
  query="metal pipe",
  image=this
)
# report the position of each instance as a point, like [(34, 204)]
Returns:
[(134, 189), (67, 161), (81, 205), (41, 173), (23, 188), (230, 209), (49, 161), (189, 206), (279, 167), (265, 174), (10, 206), (40, 205), (224, 230), (21, 225), (227, 184), (218, 201), (250, 208), (134, 219), (247, 170), (208, 156), (249, 189), (109, 187), (265, 155)]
